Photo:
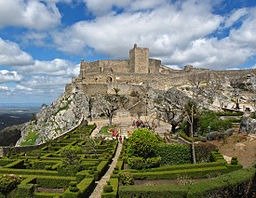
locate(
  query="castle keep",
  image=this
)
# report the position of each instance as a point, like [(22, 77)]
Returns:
[(128, 74)]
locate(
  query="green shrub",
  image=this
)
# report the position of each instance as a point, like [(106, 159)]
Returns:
[(8, 183), (16, 164), (107, 189), (174, 174), (126, 178), (234, 184), (173, 154), (114, 183), (25, 190), (142, 143), (234, 160), (159, 191), (54, 181), (136, 162)]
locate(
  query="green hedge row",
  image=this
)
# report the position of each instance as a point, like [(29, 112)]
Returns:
[(19, 163), (48, 195), (113, 194), (101, 169), (54, 181), (234, 184), (173, 154), (5, 161), (157, 191), (179, 167), (190, 173), (85, 187), (27, 172)]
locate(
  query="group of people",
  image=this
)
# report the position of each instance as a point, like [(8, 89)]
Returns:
[(115, 135)]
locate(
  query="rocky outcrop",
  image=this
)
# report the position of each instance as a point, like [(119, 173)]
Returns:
[(248, 125), (247, 83), (62, 115)]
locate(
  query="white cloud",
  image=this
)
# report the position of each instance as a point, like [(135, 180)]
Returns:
[(178, 33), (11, 54), (57, 66), (163, 30), (235, 16), (3, 88), (9, 76), (102, 7), (32, 14), (20, 87)]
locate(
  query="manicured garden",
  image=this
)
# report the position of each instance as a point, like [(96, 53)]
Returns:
[(146, 160), (67, 167)]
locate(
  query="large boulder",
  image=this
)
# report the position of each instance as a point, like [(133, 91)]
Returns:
[(248, 125), (229, 132), (213, 135)]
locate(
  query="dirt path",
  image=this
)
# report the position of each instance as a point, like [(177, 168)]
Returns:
[(241, 146), (100, 184)]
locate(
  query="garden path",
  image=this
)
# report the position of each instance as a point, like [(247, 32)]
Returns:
[(100, 184)]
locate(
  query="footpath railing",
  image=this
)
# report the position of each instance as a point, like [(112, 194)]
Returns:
[(4, 150)]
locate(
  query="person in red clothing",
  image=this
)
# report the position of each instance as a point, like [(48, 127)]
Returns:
[(113, 135), (120, 139)]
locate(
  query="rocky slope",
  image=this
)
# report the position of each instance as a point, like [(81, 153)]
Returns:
[(62, 115)]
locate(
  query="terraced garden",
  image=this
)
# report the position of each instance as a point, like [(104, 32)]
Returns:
[(67, 167)]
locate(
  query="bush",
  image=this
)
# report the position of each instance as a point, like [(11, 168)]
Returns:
[(136, 162), (234, 184), (140, 163), (126, 178), (107, 189), (142, 143), (234, 161), (203, 151), (173, 154), (8, 183), (159, 191)]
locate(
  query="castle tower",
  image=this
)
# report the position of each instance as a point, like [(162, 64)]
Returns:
[(139, 60)]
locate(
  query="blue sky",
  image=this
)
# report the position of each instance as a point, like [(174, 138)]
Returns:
[(43, 41)]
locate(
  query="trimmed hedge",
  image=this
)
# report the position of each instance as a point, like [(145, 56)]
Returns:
[(6, 161), (25, 190), (48, 195), (101, 169), (26, 172), (54, 181), (173, 153), (85, 187), (190, 173), (179, 167), (16, 164), (175, 191), (234, 184), (113, 194)]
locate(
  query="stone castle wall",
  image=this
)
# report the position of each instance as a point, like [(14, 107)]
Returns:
[(103, 75)]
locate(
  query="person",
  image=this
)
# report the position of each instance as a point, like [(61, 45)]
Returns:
[(120, 139), (113, 135)]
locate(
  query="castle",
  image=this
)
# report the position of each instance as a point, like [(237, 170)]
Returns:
[(128, 74)]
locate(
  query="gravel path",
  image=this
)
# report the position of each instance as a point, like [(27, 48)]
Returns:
[(100, 184)]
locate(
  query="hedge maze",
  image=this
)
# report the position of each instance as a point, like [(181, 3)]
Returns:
[(67, 167), (215, 178)]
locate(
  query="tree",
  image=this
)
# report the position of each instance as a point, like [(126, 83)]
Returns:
[(108, 105), (90, 105), (116, 89), (169, 106), (190, 110)]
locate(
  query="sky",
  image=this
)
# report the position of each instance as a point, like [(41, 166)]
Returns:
[(42, 41)]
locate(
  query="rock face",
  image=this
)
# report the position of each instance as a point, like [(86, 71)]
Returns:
[(248, 125), (63, 114), (247, 83)]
